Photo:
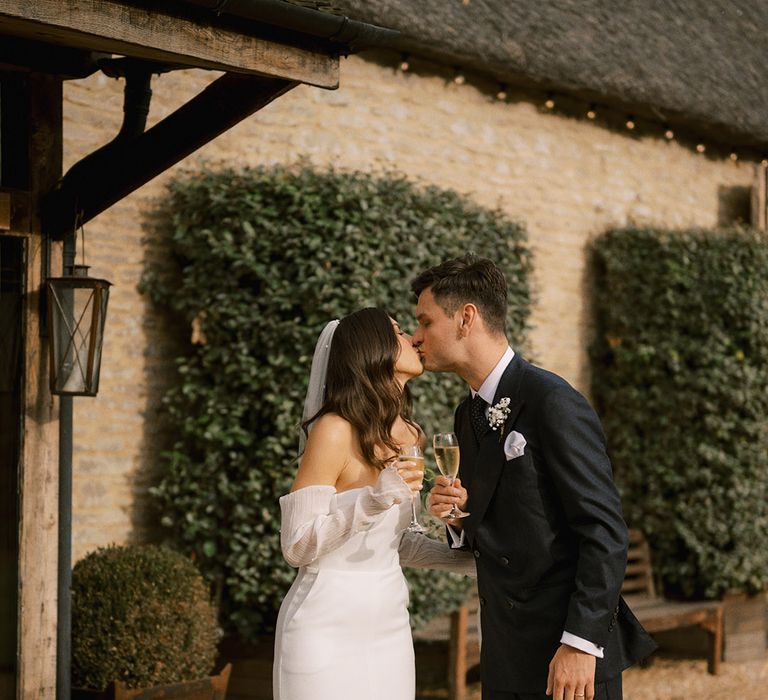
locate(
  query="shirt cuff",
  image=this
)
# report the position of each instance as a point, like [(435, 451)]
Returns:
[(457, 540), (581, 644)]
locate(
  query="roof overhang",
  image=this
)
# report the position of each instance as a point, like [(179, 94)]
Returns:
[(158, 35), (265, 48)]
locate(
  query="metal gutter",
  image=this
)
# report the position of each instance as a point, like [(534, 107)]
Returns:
[(338, 29)]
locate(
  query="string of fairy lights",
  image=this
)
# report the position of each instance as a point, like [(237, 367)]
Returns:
[(549, 102)]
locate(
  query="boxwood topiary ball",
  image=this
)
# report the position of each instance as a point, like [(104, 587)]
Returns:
[(141, 614)]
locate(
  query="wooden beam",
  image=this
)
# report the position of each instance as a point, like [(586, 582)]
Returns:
[(39, 466), (26, 55), (119, 168), (110, 26)]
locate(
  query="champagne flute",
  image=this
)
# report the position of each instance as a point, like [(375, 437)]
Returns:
[(447, 457), (413, 453)]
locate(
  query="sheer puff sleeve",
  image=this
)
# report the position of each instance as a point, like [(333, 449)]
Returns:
[(309, 528), (420, 551)]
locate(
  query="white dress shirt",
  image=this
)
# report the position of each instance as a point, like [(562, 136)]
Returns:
[(487, 391)]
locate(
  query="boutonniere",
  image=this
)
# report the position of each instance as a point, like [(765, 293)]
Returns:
[(498, 413)]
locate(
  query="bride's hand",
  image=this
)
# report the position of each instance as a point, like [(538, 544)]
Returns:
[(391, 487), (442, 497), (412, 475)]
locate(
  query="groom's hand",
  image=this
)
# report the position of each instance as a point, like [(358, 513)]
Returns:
[(443, 496), (571, 675)]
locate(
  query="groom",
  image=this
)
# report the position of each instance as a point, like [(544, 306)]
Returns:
[(545, 521)]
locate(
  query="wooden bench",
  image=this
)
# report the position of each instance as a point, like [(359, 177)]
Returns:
[(656, 614), (463, 652)]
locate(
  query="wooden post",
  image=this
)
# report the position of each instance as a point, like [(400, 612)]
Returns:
[(39, 464), (759, 197), (714, 627), (5, 211), (457, 655)]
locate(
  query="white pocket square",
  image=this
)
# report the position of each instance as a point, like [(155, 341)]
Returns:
[(514, 445)]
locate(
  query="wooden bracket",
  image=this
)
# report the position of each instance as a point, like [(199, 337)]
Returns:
[(116, 170)]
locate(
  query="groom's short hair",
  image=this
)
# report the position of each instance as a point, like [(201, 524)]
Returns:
[(467, 280)]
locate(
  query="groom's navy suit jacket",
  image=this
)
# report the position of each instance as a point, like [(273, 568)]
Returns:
[(548, 535)]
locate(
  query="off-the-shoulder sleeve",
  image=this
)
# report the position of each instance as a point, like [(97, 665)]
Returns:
[(420, 551), (310, 528)]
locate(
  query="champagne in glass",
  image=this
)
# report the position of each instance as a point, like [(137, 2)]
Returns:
[(447, 457), (413, 453)]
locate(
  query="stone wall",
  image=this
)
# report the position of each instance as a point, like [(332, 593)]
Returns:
[(567, 179)]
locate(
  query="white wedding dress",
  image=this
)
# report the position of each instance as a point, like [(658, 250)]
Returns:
[(342, 631)]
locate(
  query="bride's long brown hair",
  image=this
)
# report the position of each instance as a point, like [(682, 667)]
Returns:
[(360, 385)]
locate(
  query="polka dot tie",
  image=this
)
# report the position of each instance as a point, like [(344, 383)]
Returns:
[(477, 412)]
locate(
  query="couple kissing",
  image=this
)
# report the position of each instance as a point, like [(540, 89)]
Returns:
[(544, 532)]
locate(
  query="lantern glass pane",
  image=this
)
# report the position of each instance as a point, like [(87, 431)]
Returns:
[(78, 310)]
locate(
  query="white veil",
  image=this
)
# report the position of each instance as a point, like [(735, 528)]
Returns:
[(316, 389)]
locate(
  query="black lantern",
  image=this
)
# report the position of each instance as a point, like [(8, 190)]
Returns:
[(77, 309)]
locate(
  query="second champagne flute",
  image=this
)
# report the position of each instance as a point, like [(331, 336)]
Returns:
[(447, 457), (413, 453)]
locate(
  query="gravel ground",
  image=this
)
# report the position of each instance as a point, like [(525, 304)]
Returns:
[(672, 679), (680, 679)]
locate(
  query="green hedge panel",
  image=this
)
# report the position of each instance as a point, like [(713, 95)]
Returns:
[(265, 257), (681, 382)]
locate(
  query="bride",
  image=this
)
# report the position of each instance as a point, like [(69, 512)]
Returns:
[(343, 631)]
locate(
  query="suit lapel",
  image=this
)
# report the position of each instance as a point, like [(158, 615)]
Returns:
[(490, 458), (467, 443)]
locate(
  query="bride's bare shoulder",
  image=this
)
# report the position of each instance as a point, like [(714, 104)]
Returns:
[(326, 453), (331, 426)]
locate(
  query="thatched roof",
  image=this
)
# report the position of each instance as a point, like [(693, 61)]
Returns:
[(692, 63)]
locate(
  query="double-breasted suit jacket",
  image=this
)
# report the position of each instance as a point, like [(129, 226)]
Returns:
[(547, 532)]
